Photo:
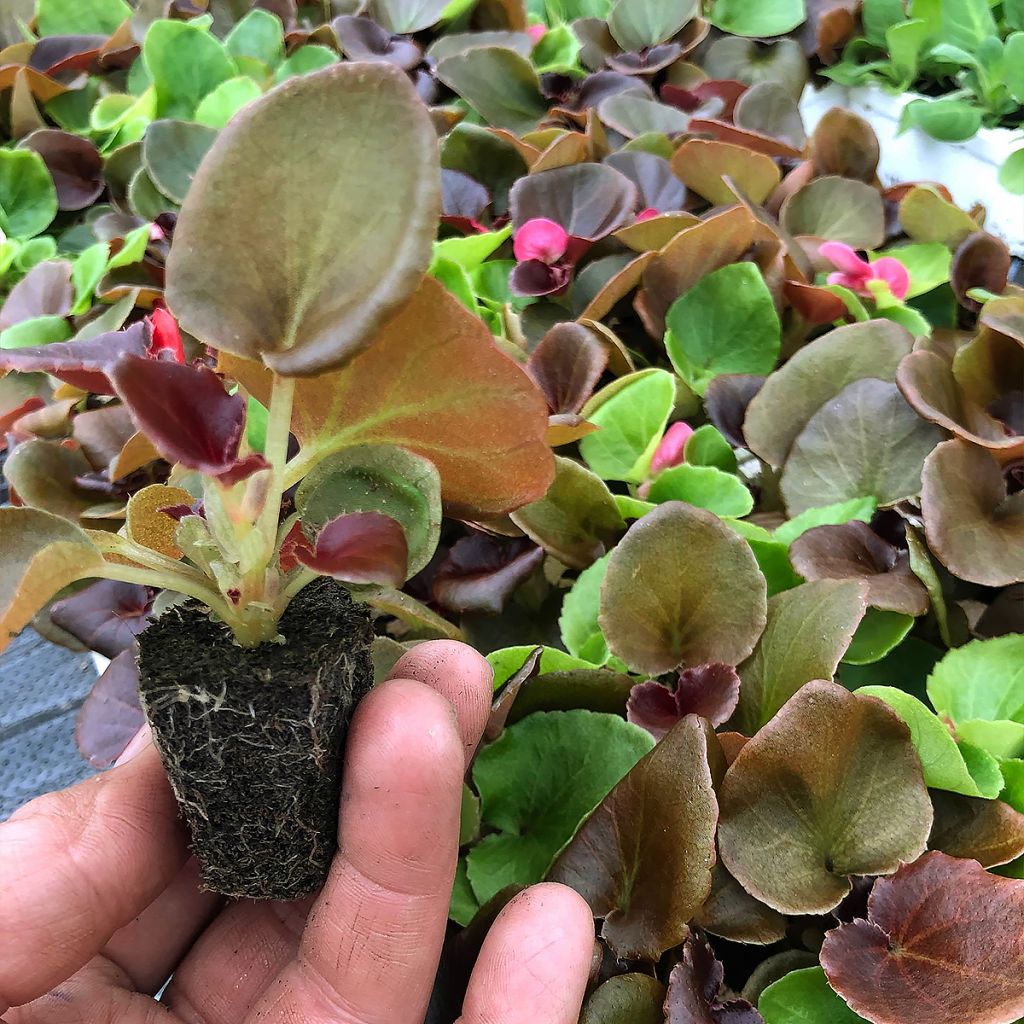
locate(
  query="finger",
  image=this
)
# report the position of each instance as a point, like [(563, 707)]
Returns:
[(371, 945), (459, 674), (534, 962), (77, 865), (235, 959), (149, 948)]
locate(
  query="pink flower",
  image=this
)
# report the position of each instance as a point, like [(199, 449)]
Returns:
[(648, 213), (540, 239), (854, 273), (536, 33), (671, 450)]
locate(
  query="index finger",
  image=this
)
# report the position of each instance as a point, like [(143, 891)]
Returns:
[(77, 865)]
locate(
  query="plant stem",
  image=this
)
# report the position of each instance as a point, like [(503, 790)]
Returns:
[(168, 581), (279, 423)]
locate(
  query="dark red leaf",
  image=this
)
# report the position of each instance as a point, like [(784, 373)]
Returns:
[(658, 189), (363, 547), (463, 200), (726, 401), (534, 277), (943, 942), (106, 616), (74, 164), (725, 90), (111, 714), (566, 366), (65, 53), (481, 572), (184, 411), (85, 364), (711, 691), (694, 988), (816, 305), (980, 261), (363, 39)]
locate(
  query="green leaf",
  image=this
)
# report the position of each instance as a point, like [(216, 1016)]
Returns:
[(456, 280), (1011, 173), (626, 999), (41, 554), (185, 63), (37, 330), (80, 17), (581, 632), (172, 151), (705, 487), (219, 106), (256, 424), (758, 17), (726, 323), (377, 478), (837, 209), (259, 35), (681, 588), (407, 16), (133, 248), (86, 273), (908, 664), (804, 997), (464, 904), (577, 521), (707, 447), (470, 251), (878, 633), (808, 631), (631, 414), (861, 509), (982, 679), (558, 50), (638, 24), (928, 264), (1013, 50), (947, 120), (966, 23), (795, 824), (28, 199), (498, 84), (572, 759), (904, 43), (307, 284), (879, 16), (509, 660), (304, 61), (965, 769)]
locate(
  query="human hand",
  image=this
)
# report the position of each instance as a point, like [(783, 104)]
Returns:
[(99, 902)]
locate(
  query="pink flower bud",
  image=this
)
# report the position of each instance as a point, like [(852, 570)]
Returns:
[(648, 213), (671, 450), (540, 239), (536, 33)]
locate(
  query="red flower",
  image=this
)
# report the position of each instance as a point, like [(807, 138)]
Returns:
[(166, 343)]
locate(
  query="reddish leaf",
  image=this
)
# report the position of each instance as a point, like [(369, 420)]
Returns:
[(74, 164), (463, 200), (988, 831), (84, 364), (816, 305), (980, 261), (185, 412), (451, 397), (854, 551), (363, 39), (44, 291), (566, 366), (481, 572), (106, 616), (363, 547), (695, 990), (111, 715), (643, 858), (726, 401), (53, 54), (943, 942), (710, 691)]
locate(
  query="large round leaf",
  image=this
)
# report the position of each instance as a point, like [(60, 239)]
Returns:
[(779, 411), (830, 787), (310, 220), (837, 209), (682, 588), (865, 442)]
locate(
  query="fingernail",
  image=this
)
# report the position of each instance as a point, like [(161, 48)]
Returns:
[(138, 743)]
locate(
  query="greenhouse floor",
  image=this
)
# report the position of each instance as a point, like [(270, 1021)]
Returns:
[(42, 687)]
